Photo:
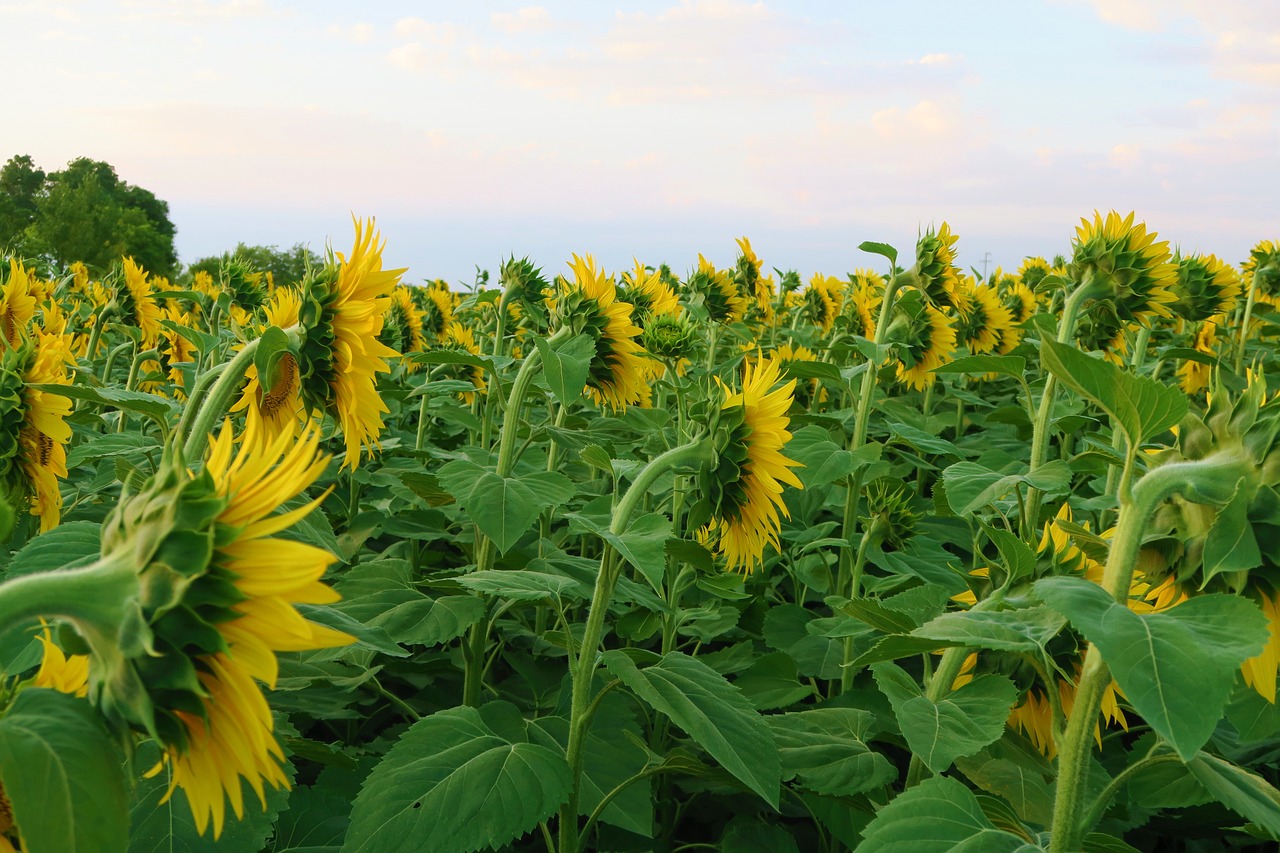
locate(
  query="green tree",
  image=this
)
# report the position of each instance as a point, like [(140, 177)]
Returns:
[(287, 266), (84, 213)]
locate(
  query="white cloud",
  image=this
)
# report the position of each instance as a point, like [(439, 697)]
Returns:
[(521, 20), (436, 33), (361, 33)]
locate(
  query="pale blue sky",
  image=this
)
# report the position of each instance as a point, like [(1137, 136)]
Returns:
[(662, 129)]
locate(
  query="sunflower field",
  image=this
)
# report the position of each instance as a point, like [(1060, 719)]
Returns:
[(907, 559)]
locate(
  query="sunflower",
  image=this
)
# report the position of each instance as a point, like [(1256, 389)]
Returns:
[(1260, 672), (807, 392), (982, 319), (248, 289), (458, 337), (744, 487), (281, 409), (402, 329), (17, 304), (1033, 716), (436, 305), (1193, 376), (862, 301), (1033, 271), (926, 339), (1021, 302), (822, 301), (1262, 270), (720, 297), (1101, 329), (243, 600), (137, 304), (590, 305), (33, 427), (525, 288), (751, 282), (1127, 265), (935, 273), (1205, 287), (342, 315), (59, 671), (174, 349), (649, 295)]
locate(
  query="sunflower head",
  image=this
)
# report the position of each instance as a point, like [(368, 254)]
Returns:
[(459, 338), (402, 327), (1205, 287), (935, 273), (33, 428), (1032, 271), (590, 305), (924, 338), (752, 283), (864, 295), (650, 296), (720, 298), (134, 293), (527, 288), (1102, 329), (245, 286), (1193, 376), (671, 337), (17, 304), (743, 488), (982, 318), (823, 300), (890, 516), (1262, 268), (1125, 265)]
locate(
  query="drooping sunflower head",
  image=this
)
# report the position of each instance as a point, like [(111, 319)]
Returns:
[(135, 296), (743, 487), (748, 275), (459, 338), (526, 287), (33, 428), (982, 319), (1126, 265), (1021, 302), (649, 295), (720, 297), (935, 273), (402, 327), (590, 305), (17, 304), (925, 339), (1262, 270), (344, 305), (1193, 376), (864, 295), (218, 599), (247, 288), (1205, 287), (822, 301), (1032, 271)]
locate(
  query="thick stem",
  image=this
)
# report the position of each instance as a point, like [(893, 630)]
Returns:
[(1218, 473), (214, 406), (855, 591), (132, 382), (95, 598), (1244, 325)]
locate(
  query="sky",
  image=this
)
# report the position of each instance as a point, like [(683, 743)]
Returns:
[(474, 131)]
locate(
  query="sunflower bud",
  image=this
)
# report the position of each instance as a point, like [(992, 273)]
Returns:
[(890, 519), (935, 273), (670, 338)]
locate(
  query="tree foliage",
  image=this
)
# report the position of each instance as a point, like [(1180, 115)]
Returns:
[(287, 266)]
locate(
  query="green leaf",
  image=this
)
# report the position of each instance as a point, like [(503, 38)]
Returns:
[(1230, 545), (457, 781), (971, 486), (565, 366), (1019, 560), (149, 405), (597, 457), (76, 543), (1176, 667), (525, 585), (504, 508), (962, 723), (1008, 365), (896, 647), (1141, 407), (875, 614), (937, 814), (168, 827), (129, 444), (771, 682), (786, 629), (1027, 630), (711, 711), (367, 636), (925, 442), (880, 249), (1019, 783), (1243, 791), (746, 835), (63, 775), (410, 617), (824, 749)]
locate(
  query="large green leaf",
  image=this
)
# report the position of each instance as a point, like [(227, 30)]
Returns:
[(937, 814), (1176, 667), (457, 781), (1026, 630), (504, 508), (565, 366), (408, 615), (711, 711), (1008, 365), (1230, 545), (1141, 407), (525, 585), (770, 682), (642, 544), (63, 775), (962, 723), (1243, 791), (824, 749), (971, 486), (1019, 780), (76, 543)]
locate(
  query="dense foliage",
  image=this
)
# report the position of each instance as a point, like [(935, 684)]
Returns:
[(899, 560)]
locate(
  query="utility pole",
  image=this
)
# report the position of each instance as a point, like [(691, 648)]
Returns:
[(986, 259)]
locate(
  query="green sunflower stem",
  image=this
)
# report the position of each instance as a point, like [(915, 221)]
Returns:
[(1040, 435), (861, 423), (196, 398), (1117, 438), (1244, 325), (871, 534), (132, 383), (99, 323), (97, 599), (584, 665), (218, 400), (1215, 475)]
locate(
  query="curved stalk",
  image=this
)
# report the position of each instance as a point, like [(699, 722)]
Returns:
[(215, 405), (1244, 325)]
